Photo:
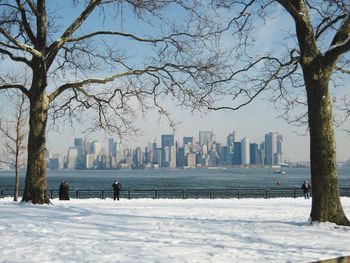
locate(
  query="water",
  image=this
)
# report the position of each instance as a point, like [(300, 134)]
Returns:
[(175, 179)]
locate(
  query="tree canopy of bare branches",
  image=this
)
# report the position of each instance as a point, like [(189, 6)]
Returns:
[(108, 57), (301, 69), (13, 132)]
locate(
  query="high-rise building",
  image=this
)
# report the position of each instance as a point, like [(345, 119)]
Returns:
[(167, 143), (237, 156), (112, 147), (205, 137), (279, 149), (138, 157), (90, 162), (157, 157), (273, 148), (56, 162), (72, 158), (180, 157), (172, 162), (231, 138), (188, 140), (96, 147), (87, 146), (254, 154), (167, 140), (190, 160), (245, 153)]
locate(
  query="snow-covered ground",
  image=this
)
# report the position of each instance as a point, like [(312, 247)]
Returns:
[(147, 230)]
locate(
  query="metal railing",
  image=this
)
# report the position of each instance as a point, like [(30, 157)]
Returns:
[(180, 193)]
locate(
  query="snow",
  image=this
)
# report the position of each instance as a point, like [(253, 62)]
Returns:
[(168, 230)]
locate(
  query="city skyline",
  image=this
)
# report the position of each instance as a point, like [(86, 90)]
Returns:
[(206, 152)]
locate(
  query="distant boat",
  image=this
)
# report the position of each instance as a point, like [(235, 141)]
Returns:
[(278, 171)]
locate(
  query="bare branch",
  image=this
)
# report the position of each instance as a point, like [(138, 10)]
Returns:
[(321, 28), (341, 41), (15, 86), (24, 22), (15, 58), (55, 46), (20, 45)]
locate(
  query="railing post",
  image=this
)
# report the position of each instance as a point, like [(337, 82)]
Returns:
[(103, 194), (155, 194), (2, 193), (183, 194), (129, 195), (238, 194), (266, 193), (77, 194), (51, 194), (295, 193)]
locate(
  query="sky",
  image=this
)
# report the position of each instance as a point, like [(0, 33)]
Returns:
[(168, 230), (252, 122)]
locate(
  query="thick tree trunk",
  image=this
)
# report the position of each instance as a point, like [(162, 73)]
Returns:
[(326, 204), (36, 183)]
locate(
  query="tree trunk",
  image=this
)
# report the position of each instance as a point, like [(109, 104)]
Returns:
[(326, 204), (35, 189), (15, 196)]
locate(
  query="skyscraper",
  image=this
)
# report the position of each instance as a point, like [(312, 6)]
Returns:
[(72, 158), (167, 140), (231, 138), (245, 154), (205, 137), (270, 147), (188, 140), (112, 147), (237, 156), (273, 148), (254, 154), (167, 143), (95, 147)]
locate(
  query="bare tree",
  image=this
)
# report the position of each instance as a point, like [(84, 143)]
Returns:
[(78, 67), (14, 133), (300, 72)]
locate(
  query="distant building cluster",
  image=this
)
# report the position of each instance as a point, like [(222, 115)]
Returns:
[(206, 152)]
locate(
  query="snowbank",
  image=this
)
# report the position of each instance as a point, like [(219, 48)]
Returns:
[(146, 230)]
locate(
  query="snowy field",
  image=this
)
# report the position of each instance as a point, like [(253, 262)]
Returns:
[(146, 230)]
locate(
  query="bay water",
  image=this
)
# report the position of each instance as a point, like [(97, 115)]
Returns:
[(175, 178)]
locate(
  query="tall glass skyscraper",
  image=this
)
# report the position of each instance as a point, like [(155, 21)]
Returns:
[(273, 148), (167, 144), (245, 155), (205, 137), (167, 140)]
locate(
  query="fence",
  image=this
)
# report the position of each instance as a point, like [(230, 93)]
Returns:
[(181, 193)]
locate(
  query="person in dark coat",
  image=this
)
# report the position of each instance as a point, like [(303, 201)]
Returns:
[(116, 189), (306, 189), (64, 191)]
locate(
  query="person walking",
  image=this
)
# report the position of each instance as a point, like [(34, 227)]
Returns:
[(306, 189), (116, 189)]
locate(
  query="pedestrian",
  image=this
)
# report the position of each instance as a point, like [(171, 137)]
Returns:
[(116, 189), (306, 189), (64, 191)]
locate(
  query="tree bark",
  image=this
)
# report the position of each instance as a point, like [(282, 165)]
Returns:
[(35, 189), (326, 205), (15, 195)]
